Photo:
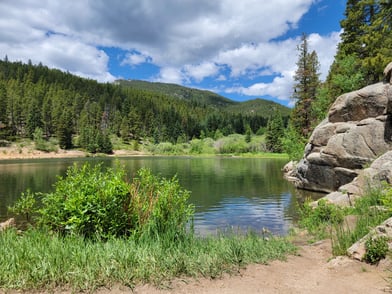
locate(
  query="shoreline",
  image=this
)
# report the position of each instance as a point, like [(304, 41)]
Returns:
[(17, 153)]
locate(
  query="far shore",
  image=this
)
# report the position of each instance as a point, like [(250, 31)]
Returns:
[(28, 152), (10, 153)]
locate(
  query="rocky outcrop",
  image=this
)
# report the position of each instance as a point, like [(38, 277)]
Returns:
[(358, 250), (358, 130), (379, 171)]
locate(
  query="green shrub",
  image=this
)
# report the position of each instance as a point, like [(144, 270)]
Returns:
[(376, 249), (87, 202), (96, 203), (25, 205), (159, 206), (232, 144), (316, 220), (41, 144)]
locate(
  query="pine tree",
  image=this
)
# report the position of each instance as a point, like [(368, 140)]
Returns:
[(65, 130), (274, 133), (305, 88), (367, 35)]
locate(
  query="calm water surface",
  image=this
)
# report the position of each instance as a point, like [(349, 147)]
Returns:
[(238, 193)]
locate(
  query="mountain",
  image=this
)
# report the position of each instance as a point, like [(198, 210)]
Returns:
[(181, 92), (260, 107)]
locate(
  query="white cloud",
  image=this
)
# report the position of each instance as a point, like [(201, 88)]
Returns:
[(134, 59), (201, 71), (170, 75), (279, 58), (187, 40)]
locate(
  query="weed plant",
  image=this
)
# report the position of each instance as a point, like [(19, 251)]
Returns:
[(328, 220)]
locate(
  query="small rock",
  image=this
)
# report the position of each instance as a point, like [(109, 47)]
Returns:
[(7, 224)]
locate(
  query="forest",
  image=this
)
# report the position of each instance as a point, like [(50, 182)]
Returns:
[(36, 100)]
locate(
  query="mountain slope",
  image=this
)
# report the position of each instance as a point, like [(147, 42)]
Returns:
[(261, 107), (181, 92)]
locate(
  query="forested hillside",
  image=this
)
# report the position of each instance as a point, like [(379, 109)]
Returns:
[(67, 107)]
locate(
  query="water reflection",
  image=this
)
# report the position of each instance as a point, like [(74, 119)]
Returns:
[(227, 192)]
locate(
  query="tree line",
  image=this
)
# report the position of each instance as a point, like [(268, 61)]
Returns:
[(65, 106)]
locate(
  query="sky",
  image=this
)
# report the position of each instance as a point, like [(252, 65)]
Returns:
[(241, 49)]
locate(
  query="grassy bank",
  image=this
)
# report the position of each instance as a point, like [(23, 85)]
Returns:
[(40, 260), (346, 225)]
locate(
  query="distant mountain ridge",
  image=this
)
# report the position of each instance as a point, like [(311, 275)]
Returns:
[(257, 106)]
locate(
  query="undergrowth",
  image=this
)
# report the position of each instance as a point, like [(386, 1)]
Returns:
[(327, 220)]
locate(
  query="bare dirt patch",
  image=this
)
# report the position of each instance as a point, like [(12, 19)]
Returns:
[(312, 271), (29, 152)]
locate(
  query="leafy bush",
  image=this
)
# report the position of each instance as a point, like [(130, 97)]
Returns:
[(87, 202), (96, 203), (293, 143), (26, 205), (41, 144), (316, 220), (376, 249), (232, 144), (158, 206)]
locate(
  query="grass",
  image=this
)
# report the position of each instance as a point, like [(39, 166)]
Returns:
[(329, 221), (39, 260)]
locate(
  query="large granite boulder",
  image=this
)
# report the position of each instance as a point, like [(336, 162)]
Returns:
[(372, 177), (358, 130)]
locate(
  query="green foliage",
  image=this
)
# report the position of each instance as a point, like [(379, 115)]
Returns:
[(327, 220), (367, 36), (65, 130), (25, 205), (274, 133), (41, 144), (317, 220), (305, 88), (67, 106), (376, 249), (248, 134), (232, 144), (158, 206), (293, 143), (87, 202), (95, 203)]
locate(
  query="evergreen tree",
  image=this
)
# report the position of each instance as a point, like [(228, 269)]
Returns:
[(367, 35), (305, 88), (274, 133), (65, 130)]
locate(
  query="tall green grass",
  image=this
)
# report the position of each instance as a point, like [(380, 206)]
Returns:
[(42, 260), (329, 221)]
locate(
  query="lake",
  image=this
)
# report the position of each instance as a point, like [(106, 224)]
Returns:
[(235, 193)]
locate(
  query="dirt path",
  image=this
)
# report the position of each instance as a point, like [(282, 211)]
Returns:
[(311, 272)]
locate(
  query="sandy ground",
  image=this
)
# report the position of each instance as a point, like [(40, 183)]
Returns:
[(28, 152), (312, 271)]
